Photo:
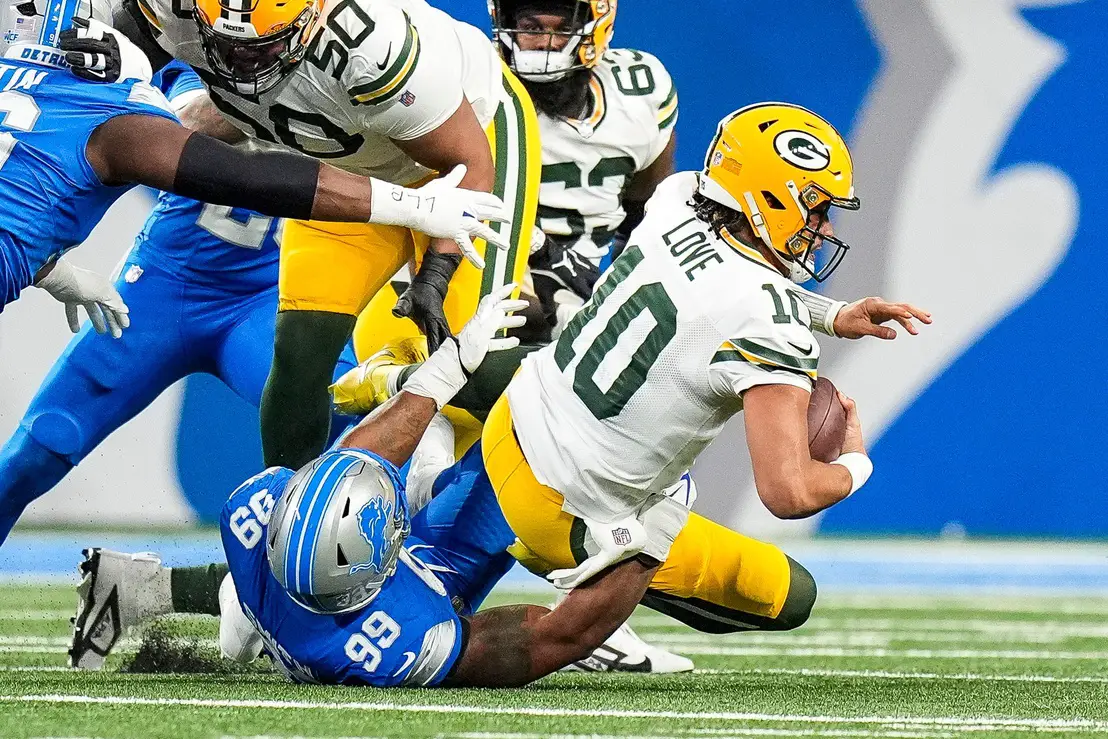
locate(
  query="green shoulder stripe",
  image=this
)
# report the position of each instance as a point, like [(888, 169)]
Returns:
[(669, 120), (732, 355), (670, 99), (396, 76), (772, 356)]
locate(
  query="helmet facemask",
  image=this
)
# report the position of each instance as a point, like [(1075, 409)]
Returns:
[(251, 66), (804, 245), (511, 23)]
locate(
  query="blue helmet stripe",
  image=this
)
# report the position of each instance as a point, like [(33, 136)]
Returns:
[(59, 16), (307, 504), (325, 492)]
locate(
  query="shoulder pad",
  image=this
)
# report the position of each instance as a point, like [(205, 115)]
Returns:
[(385, 59), (642, 75)]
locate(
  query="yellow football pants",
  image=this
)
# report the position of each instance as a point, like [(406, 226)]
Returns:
[(714, 579), (340, 267)]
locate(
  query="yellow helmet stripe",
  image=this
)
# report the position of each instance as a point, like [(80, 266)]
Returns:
[(395, 77)]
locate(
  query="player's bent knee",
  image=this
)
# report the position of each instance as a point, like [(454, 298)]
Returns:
[(30, 466), (800, 600)]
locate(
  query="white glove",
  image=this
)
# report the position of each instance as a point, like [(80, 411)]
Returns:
[(447, 370), (442, 210), (618, 541), (79, 287), (483, 333), (99, 53)]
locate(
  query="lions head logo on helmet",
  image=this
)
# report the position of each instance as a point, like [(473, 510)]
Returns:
[(337, 531), (783, 168), (375, 523)]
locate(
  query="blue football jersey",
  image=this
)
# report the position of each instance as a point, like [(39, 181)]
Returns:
[(408, 634), (209, 244), (51, 197)]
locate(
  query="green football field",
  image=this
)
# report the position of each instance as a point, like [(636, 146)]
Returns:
[(912, 667)]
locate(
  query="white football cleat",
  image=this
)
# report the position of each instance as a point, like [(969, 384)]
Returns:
[(117, 591), (625, 651)]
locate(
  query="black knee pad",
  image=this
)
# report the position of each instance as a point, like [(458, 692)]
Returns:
[(799, 601)]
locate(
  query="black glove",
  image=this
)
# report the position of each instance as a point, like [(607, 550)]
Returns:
[(92, 55), (557, 267), (422, 301)]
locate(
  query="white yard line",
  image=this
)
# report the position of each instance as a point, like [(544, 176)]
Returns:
[(34, 668), (887, 675), (1080, 604), (805, 638), (693, 648), (722, 734), (34, 615), (895, 722), (1070, 627)]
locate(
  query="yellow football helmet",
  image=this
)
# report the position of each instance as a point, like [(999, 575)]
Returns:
[(254, 44), (588, 29), (778, 164)]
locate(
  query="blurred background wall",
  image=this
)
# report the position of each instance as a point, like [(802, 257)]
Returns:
[(979, 135)]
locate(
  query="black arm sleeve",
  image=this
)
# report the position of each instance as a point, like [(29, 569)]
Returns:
[(273, 183), (636, 210), (129, 20)]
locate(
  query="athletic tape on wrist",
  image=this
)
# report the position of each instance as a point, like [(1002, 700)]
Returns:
[(440, 377), (859, 466)]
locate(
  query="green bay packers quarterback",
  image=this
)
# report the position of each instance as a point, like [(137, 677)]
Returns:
[(394, 89), (696, 321)]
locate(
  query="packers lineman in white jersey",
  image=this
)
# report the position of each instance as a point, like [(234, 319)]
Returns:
[(606, 118), (394, 89), (697, 320), (607, 122)]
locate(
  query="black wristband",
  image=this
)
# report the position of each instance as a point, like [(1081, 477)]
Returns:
[(274, 183), (437, 269)]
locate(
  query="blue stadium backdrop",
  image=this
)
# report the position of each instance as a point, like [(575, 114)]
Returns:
[(978, 133)]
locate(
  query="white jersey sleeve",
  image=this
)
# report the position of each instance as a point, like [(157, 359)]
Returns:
[(402, 80), (773, 344)]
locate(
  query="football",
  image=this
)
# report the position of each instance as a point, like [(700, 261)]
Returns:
[(826, 421)]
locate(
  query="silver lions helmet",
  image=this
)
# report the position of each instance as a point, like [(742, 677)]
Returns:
[(337, 531)]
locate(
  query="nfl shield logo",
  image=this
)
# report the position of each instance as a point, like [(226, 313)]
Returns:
[(407, 99), (622, 537)]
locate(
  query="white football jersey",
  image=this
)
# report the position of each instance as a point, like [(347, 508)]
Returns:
[(587, 164), (645, 375), (376, 70)]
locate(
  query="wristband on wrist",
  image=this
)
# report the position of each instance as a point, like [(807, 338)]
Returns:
[(824, 310), (859, 466), (440, 377)]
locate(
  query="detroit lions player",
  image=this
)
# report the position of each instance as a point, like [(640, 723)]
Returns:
[(202, 280), (69, 149), (329, 575)]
